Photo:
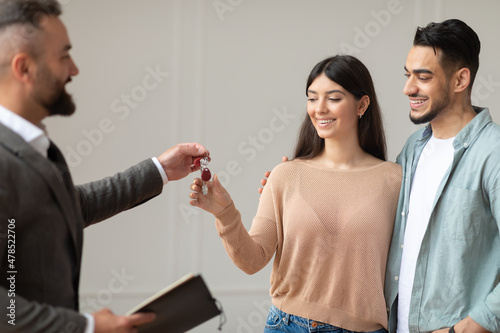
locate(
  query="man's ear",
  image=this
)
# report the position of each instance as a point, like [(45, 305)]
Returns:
[(23, 67), (462, 79)]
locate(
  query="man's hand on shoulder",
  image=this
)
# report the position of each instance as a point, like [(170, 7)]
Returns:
[(263, 181)]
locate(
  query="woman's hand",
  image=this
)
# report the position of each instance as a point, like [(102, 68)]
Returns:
[(215, 201)]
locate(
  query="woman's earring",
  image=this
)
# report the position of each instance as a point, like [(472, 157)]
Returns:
[(360, 115)]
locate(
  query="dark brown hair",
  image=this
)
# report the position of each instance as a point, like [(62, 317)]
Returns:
[(354, 77)]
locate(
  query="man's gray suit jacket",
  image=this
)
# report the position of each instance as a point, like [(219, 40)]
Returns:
[(46, 214)]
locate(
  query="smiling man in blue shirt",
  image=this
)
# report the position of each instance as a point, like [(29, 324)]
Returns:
[(444, 263)]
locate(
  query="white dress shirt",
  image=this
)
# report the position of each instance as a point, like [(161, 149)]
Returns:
[(36, 136)]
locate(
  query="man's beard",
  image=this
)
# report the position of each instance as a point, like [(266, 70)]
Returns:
[(63, 105), (437, 108), (52, 94), (426, 117)]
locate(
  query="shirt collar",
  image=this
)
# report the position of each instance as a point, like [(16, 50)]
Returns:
[(470, 131), (35, 136)]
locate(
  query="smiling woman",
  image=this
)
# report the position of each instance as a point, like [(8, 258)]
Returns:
[(326, 216), (333, 110), (342, 85)]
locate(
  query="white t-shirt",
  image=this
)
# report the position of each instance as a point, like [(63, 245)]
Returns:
[(432, 165)]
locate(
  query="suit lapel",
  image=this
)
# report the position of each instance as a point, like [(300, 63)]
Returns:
[(59, 182)]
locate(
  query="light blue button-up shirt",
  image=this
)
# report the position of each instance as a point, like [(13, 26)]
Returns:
[(458, 266)]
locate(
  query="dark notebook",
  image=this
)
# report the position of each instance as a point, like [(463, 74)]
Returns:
[(179, 307)]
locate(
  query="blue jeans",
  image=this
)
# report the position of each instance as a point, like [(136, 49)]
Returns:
[(279, 321)]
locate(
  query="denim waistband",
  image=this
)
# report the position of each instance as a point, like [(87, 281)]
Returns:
[(314, 324)]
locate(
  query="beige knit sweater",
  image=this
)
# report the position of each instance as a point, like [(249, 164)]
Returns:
[(329, 231)]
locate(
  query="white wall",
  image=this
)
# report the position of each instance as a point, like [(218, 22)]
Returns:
[(232, 76)]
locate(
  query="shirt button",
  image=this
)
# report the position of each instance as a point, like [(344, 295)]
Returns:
[(396, 278), (402, 245), (466, 145), (314, 324), (403, 214)]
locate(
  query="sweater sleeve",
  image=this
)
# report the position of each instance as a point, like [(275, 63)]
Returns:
[(249, 250)]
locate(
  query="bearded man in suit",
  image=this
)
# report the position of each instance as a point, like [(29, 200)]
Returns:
[(40, 207)]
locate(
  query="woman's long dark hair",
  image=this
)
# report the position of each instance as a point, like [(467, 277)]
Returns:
[(354, 77)]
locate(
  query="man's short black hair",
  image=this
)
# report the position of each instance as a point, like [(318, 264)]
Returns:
[(458, 44)]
